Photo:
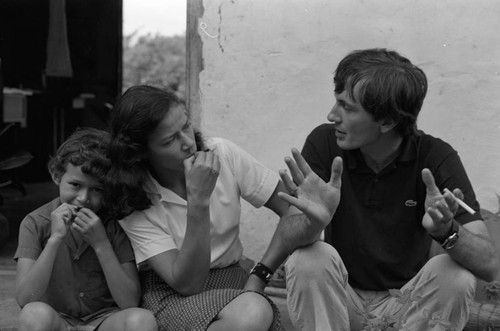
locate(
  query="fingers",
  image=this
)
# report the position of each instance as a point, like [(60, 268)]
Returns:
[(188, 163), (301, 162), (458, 193), (289, 184), (429, 182), (208, 159), (336, 176), (298, 166), (443, 209), (291, 200)]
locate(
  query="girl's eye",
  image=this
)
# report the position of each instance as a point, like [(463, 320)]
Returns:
[(74, 184)]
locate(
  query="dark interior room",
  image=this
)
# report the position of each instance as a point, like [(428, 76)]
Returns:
[(60, 69)]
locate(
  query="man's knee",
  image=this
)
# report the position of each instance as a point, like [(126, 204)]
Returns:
[(452, 277), (315, 260)]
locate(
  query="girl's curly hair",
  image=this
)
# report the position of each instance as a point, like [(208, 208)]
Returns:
[(86, 147)]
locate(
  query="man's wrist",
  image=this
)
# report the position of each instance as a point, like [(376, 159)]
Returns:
[(448, 240), (441, 236)]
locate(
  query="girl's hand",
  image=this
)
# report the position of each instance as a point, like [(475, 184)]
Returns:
[(61, 219), (201, 171), (89, 225)]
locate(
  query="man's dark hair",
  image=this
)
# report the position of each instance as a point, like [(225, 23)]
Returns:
[(390, 86)]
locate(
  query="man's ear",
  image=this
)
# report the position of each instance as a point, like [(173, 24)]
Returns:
[(387, 125)]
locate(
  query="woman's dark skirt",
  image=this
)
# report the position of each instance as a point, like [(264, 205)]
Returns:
[(175, 312)]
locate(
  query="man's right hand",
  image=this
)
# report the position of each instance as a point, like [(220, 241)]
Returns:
[(317, 199)]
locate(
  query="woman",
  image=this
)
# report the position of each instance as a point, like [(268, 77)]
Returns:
[(178, 199)]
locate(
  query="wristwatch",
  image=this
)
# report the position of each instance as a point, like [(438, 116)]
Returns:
[(450, 240), (262, 271)]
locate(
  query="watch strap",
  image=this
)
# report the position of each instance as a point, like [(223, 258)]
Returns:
[(262, 271), (449, 240)]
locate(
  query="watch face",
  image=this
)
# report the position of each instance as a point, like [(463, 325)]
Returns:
[(451, 241)]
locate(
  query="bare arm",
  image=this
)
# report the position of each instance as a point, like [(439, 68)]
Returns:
[(474, 249), (32, 277), (304, 211), (186, 269)]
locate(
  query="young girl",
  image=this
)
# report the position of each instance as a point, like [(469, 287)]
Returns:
[(75, 266), (178, 199)]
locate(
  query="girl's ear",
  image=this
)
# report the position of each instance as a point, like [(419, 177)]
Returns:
[(55, 179)]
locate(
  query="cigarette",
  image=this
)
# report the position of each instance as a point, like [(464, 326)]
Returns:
[(461, 203)]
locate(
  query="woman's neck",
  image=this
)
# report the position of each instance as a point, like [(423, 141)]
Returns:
[(173, 180)]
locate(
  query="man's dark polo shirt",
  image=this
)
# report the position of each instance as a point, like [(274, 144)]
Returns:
[(377, 228)]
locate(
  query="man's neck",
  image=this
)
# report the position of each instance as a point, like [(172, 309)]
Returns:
[(381, 153)]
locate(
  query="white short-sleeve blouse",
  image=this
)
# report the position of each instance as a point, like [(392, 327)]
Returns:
[(162, 226)]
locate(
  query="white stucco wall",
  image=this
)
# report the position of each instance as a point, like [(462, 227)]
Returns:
[(268, 65)]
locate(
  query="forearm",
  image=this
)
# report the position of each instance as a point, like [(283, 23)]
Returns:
[(124, 287), (292, 232), (32, 284), (192, 265), (476, 253)]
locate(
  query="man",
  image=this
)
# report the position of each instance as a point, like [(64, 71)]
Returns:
[(374, 268)]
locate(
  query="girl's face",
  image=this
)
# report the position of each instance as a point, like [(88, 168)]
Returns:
[(79, 189), (172, 141)]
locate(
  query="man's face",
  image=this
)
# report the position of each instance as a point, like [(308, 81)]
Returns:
[(354, 126)]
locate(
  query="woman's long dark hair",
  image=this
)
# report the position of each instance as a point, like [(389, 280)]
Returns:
[(134, 117)]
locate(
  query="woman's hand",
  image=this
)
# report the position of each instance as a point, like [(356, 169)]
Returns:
[(201, 171)]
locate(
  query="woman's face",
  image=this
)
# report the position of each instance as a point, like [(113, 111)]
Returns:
[(172, 141)]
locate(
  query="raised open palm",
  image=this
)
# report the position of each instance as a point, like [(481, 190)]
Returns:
[(317, 199)]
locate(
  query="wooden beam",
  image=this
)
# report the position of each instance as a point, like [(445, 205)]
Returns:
[(194, 59)]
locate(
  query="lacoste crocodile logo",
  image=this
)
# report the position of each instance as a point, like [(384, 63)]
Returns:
[(410, 203)]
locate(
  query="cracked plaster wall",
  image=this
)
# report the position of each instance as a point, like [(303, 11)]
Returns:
[(267, 78)]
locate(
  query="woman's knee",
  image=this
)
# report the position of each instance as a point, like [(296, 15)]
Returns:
[(38, 316), (248, 311), (257, 311)]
